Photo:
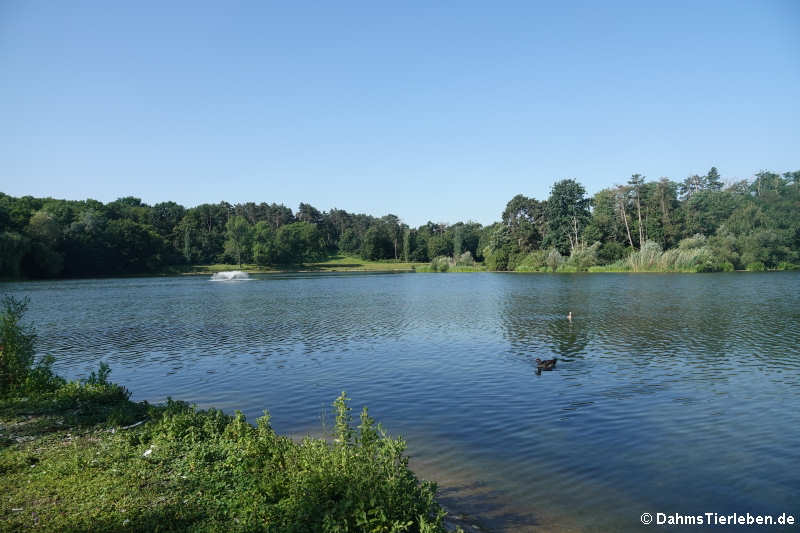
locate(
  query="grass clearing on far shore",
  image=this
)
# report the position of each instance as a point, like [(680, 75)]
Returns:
[(337, 263)]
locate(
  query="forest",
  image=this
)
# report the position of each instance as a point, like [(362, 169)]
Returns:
[(700, 224)]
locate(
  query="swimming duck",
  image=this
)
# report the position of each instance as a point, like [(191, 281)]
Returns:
[(547, 364)]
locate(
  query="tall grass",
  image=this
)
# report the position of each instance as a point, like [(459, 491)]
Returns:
[(692, 255), (460, 263), (581, 258)]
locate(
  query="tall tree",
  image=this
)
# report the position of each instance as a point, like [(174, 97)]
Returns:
[(567, 214), (239, 233), (526, 221), (636, 182), (713, 180), (622, 201)]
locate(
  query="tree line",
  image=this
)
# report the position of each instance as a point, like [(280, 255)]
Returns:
[(698, 224)]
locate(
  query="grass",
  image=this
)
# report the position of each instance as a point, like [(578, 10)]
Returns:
[(474, 268), (69, 461), (81, 456), (347, 263), (337, 263)]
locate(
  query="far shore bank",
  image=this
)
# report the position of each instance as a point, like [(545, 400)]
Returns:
[(355, 270)]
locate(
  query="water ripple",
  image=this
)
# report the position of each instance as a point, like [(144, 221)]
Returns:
[(672, 392)]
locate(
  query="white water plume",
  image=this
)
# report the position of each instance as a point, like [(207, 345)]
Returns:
[(231, 275)]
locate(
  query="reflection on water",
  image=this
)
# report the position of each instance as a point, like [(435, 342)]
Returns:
[(673, 393)]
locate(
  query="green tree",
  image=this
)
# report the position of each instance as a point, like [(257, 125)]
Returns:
[(239, 238), (440, 245), (349, 242), (16, 345), (713, 180), (265, 251), (407, 244), (13, 248), (394, 229), (298, 242), (526, 220), (165, 217), (567, 212), (377, 243), (133, 248), (636, 182)]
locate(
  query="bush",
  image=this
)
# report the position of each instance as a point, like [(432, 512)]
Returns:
[(566, 268), (611, 251), (785, 265), (756, 266), (690, 243), (440, 264), (725, 248), (617, 266), (268, 482), (533, 262), (583, 257), (19, 372), (497, 259), (460, 263), (692, 255), (553, 260)]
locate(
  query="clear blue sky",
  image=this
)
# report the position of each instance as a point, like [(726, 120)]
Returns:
[(428, 110)]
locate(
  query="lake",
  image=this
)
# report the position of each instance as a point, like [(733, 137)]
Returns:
[(672, 393)]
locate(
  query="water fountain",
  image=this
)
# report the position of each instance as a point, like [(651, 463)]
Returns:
[(231, 275)]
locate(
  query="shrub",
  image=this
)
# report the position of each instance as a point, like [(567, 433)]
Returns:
[(19, 370), (533, 262), (756, 266), (611, 251), (583, 257), (785, 265), (497, 259), (359, 483), (690, 243), (617, 266), (692, 255), (553, 260), (460, 263), (440, 264), (646, 258)]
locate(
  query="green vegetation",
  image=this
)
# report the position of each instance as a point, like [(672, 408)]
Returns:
[(348, 263), (746, 223), (81, 456), (334, 263), (460, 263), (693, 226)]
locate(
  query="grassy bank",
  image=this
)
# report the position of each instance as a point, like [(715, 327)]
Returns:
[(70, 461), (81, 456), (337, 263)]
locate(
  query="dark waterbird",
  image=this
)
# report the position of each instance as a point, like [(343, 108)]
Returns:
[(547, 364)]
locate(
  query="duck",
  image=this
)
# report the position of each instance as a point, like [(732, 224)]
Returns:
[(547, 364)]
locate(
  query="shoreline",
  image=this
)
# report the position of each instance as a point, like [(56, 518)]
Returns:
[(177, 274), (84, 453)]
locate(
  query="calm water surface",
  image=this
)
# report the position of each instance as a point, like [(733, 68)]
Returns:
[(673, 393)]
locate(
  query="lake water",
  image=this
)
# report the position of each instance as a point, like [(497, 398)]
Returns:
[(673, 393)]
